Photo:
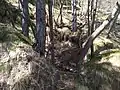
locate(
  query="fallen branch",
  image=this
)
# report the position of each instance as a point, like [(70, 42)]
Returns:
[(114, 20), (90, 40)]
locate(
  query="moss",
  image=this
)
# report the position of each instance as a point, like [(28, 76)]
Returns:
[(5, 68), (11, 37), (2, 68), (102, 43)]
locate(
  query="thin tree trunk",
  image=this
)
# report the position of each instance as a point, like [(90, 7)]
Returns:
[(93, 14), (61, 10), (50, 4), (74, 16), (60, 14), (55, 78), (88, 17), (92, 26), (25, 15)]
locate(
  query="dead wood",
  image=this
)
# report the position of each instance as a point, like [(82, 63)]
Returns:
[(91, 38), (114, 20)]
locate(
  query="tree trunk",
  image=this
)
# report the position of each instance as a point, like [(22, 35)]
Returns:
[(25, 15), (74, 16), (50, 4), (40, 26), (93, 14), (88, 12), (60, 14)]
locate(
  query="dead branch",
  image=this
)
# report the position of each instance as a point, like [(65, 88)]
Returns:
[(91, 38), (114, 20)]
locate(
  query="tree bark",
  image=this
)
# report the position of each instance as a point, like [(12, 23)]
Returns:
[(60, 14), (88, 12), (40, 26), (93, 15), (25, 16), (50, 4), (74, 16)]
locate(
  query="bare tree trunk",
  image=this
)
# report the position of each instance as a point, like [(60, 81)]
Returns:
[(74, 16), (25, 15), (50, 4), (88, 12), (60, 15), (55, 78), (92, 27), (40, 26), (93, 14)]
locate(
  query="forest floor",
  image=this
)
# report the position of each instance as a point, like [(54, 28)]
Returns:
[(18, 61), (21, 68)]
